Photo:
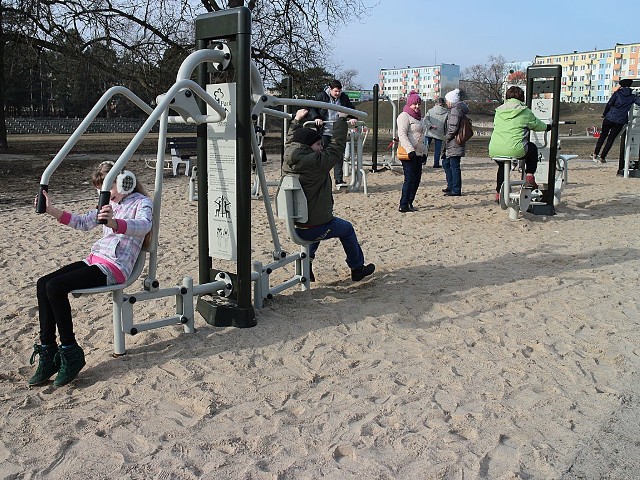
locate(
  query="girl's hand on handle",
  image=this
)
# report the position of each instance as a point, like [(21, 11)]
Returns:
[(106, 213), (50, 208)]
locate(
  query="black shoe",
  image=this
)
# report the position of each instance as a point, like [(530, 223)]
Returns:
[(446, 190), (339, 182), (404, 209), (451, 194), (437, 166), (358, 274), (412, 208)]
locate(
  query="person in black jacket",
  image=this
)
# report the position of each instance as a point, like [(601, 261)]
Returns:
[(325, 118), (616, 116)]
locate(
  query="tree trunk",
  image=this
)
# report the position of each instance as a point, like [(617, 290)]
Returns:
[(4, 145)]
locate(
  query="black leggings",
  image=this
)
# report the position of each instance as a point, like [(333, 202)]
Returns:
[(530, 164), (53, 299), (610, 131)]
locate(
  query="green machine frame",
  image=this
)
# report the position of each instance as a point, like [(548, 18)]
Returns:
[(232, 28)]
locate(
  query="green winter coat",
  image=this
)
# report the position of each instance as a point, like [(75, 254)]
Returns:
[(511, 125), (313, 170)]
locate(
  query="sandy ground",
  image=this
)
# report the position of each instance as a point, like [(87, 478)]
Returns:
[(481, 348)]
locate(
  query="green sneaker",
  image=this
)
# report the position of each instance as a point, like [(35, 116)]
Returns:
[(47, 365), (71, 362)]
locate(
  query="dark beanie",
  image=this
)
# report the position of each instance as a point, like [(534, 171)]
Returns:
[(626, 82), (307, 136)]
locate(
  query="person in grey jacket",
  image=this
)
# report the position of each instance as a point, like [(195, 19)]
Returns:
[(305, 157), (453, 151), (434, 122), (616, 116)]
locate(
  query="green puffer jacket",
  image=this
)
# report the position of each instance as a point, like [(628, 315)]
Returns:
[(511, 125), (313, 170)]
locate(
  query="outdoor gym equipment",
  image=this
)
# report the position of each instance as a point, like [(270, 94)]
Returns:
[(630, 145), (181, 98), (352, 161), (515, 196), (261, 274), (226, 141), (543, 97)]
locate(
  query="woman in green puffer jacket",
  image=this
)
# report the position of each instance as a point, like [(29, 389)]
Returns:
[(510, 138)]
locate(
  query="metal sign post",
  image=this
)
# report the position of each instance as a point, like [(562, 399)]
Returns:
[(228, 29), (543, 85)]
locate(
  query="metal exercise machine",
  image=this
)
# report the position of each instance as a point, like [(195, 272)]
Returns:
[(181, 99), (630, 145), (543, 97)]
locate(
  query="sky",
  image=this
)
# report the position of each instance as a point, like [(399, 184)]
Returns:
[(398, 33)]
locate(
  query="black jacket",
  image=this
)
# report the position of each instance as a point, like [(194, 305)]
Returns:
[(322, 113)]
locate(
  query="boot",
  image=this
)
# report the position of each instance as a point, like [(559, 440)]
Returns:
[(530, 181), (358, 274), (312, 277), (47, 365), (71, 362)]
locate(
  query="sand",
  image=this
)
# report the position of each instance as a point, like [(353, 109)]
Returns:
[(480, 348)]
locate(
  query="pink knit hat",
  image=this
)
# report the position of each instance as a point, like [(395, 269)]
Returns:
[(413, 98)]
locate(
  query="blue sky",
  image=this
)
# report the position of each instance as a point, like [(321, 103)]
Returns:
[(465, 32)]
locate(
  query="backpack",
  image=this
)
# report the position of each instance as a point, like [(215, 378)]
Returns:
[(465, 131)]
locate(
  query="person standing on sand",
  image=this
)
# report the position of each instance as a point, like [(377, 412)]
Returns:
[(325, 117), (616, 116), (453, 153), (434, 122), (411, 137)]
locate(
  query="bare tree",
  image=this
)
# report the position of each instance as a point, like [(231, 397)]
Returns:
[(287, 35), (346, 77), (292, 35), (488, 79)]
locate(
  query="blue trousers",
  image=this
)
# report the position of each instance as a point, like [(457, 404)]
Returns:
[(437, 149), (336, 228), (451, 166), (412, 174)]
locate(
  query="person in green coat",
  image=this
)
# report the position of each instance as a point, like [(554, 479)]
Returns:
[(305, 157), (512, 123)]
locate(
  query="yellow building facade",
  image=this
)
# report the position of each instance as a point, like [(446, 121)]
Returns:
[(592, 76)]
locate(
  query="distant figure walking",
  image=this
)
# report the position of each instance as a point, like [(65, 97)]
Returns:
[(616, 116), (434, 122)]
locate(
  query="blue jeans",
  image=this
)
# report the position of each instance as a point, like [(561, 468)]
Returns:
[(451, 166), (336, 228), (412, 174), (437, 149)]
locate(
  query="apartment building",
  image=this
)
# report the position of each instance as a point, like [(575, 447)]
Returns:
[(430, 81), (593, 75)]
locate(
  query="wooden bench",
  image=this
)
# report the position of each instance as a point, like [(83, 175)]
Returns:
[(183, 151)]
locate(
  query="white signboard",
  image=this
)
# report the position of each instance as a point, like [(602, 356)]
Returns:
[(221, 175)]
